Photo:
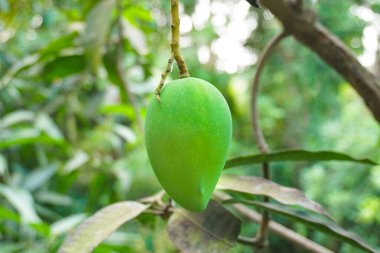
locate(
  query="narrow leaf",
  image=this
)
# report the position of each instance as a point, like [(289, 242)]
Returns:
[(55, 46), (295, 155), (6, 214), (79, 159), (16, 117), (39, 177), (3, 165), (17, 67), (136, 37), (262, 186), (25, 135), (74, 63), (329, 228), (98, 22), (99, 226), (214, 230), (67, 223), (46, 124), (22, 201)]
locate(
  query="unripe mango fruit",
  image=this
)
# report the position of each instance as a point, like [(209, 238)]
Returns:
[(187, 136)]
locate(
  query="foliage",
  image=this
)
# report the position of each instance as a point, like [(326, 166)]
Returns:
[(71, 142)]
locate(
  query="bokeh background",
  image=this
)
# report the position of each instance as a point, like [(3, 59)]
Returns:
[(71, 131)]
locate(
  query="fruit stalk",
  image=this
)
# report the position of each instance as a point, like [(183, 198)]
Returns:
[(183, 72), (163, 77)]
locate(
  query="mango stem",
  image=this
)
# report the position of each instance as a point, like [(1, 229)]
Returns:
[(163, 77), (183, 72)]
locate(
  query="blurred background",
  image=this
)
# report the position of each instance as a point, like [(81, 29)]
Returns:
[(75, 81)]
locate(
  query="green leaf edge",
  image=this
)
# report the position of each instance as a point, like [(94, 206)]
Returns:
[(295, 155)]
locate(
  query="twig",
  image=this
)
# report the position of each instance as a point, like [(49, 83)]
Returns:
[(260, 139), (258, 133), (278, 229), (155, 212), (121, 71), (183, 72), (175, 50), (247, 241), (163, 77)]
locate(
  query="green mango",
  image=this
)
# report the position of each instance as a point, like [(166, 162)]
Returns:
[(187, 135)]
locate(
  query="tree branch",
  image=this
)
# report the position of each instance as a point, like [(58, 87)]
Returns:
[(302, 24), (261, 236), (247, 241), (266, 52), (276, 228)]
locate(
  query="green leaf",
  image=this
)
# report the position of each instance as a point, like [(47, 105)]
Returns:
[(214, 230), (12, 247), (329, 228), (53, 198), (109, 62), (22, 202), (3, 165), (125, 132), (52, 48), (136, 37), (42, 228), (46, 124), (262, 186), (28, 61), (55, 46), (375, 7), (98, 22), (6, 214), (136, 14), (22, 136), (39, 177), (16, 117), (295, 155), (63, 66), (121, 109), (66, 224), (99, 226), (80, 158)]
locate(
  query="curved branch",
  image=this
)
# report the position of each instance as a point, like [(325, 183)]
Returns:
[(302, 24), (260, 139), (258, 133)]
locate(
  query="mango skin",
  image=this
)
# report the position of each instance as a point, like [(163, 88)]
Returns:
[(187, 137)]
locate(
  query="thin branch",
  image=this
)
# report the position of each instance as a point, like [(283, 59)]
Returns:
[(121, 70), (247, 241), (276, 228), (155, 212), (163, 77), (183, 72), (260, 139), (258, 133)]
